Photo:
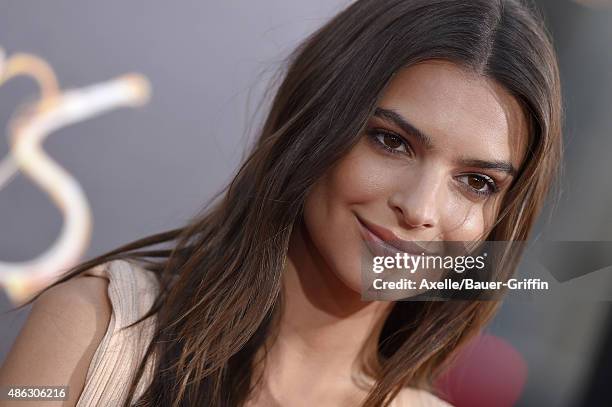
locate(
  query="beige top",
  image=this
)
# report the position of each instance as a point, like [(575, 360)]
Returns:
[(132, 290)]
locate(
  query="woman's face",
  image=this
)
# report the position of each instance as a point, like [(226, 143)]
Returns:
[(432, 166)]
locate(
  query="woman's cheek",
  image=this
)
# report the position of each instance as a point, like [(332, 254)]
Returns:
[(464, 221), (363, 176), (480, 219)]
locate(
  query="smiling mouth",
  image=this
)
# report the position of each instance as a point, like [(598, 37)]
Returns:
[(382, 241)]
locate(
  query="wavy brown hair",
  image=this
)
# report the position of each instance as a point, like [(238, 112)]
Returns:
[(220, 274)]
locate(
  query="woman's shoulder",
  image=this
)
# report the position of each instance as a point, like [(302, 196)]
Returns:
[(130, 291), (60, 335), (131, 288), (410, 397), (121, 291), (72, 335)]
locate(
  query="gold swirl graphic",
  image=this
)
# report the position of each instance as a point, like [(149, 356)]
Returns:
[(28, 129)]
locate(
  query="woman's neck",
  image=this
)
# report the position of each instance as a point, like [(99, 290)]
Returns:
[(322, 330)]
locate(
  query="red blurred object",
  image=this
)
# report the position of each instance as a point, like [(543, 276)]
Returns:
[(489, 372)]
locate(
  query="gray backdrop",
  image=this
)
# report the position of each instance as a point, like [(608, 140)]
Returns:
[(148, 169)]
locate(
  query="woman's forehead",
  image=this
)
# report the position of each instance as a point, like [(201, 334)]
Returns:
[(459, 110)]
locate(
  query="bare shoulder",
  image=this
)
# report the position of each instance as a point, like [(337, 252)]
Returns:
[(418, 398), (60, 336)]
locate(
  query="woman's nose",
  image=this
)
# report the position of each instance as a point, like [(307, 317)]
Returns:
[(417, 201)]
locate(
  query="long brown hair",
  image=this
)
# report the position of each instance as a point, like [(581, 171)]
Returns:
[(220, 274)]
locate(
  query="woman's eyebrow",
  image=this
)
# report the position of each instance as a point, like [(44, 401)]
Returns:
[(503, 166), (396, 118), (392, 116)]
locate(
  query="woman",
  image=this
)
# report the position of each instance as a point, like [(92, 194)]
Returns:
[(413, 120)]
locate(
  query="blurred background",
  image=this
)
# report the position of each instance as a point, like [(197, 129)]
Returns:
[(148, 169)]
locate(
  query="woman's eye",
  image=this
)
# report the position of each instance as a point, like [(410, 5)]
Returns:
[(480, 184), (391, 142)]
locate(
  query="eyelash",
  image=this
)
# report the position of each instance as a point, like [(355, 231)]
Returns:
[(375, 133), (492, 190)]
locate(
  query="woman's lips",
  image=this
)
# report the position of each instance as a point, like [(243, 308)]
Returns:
[(387, 243)]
